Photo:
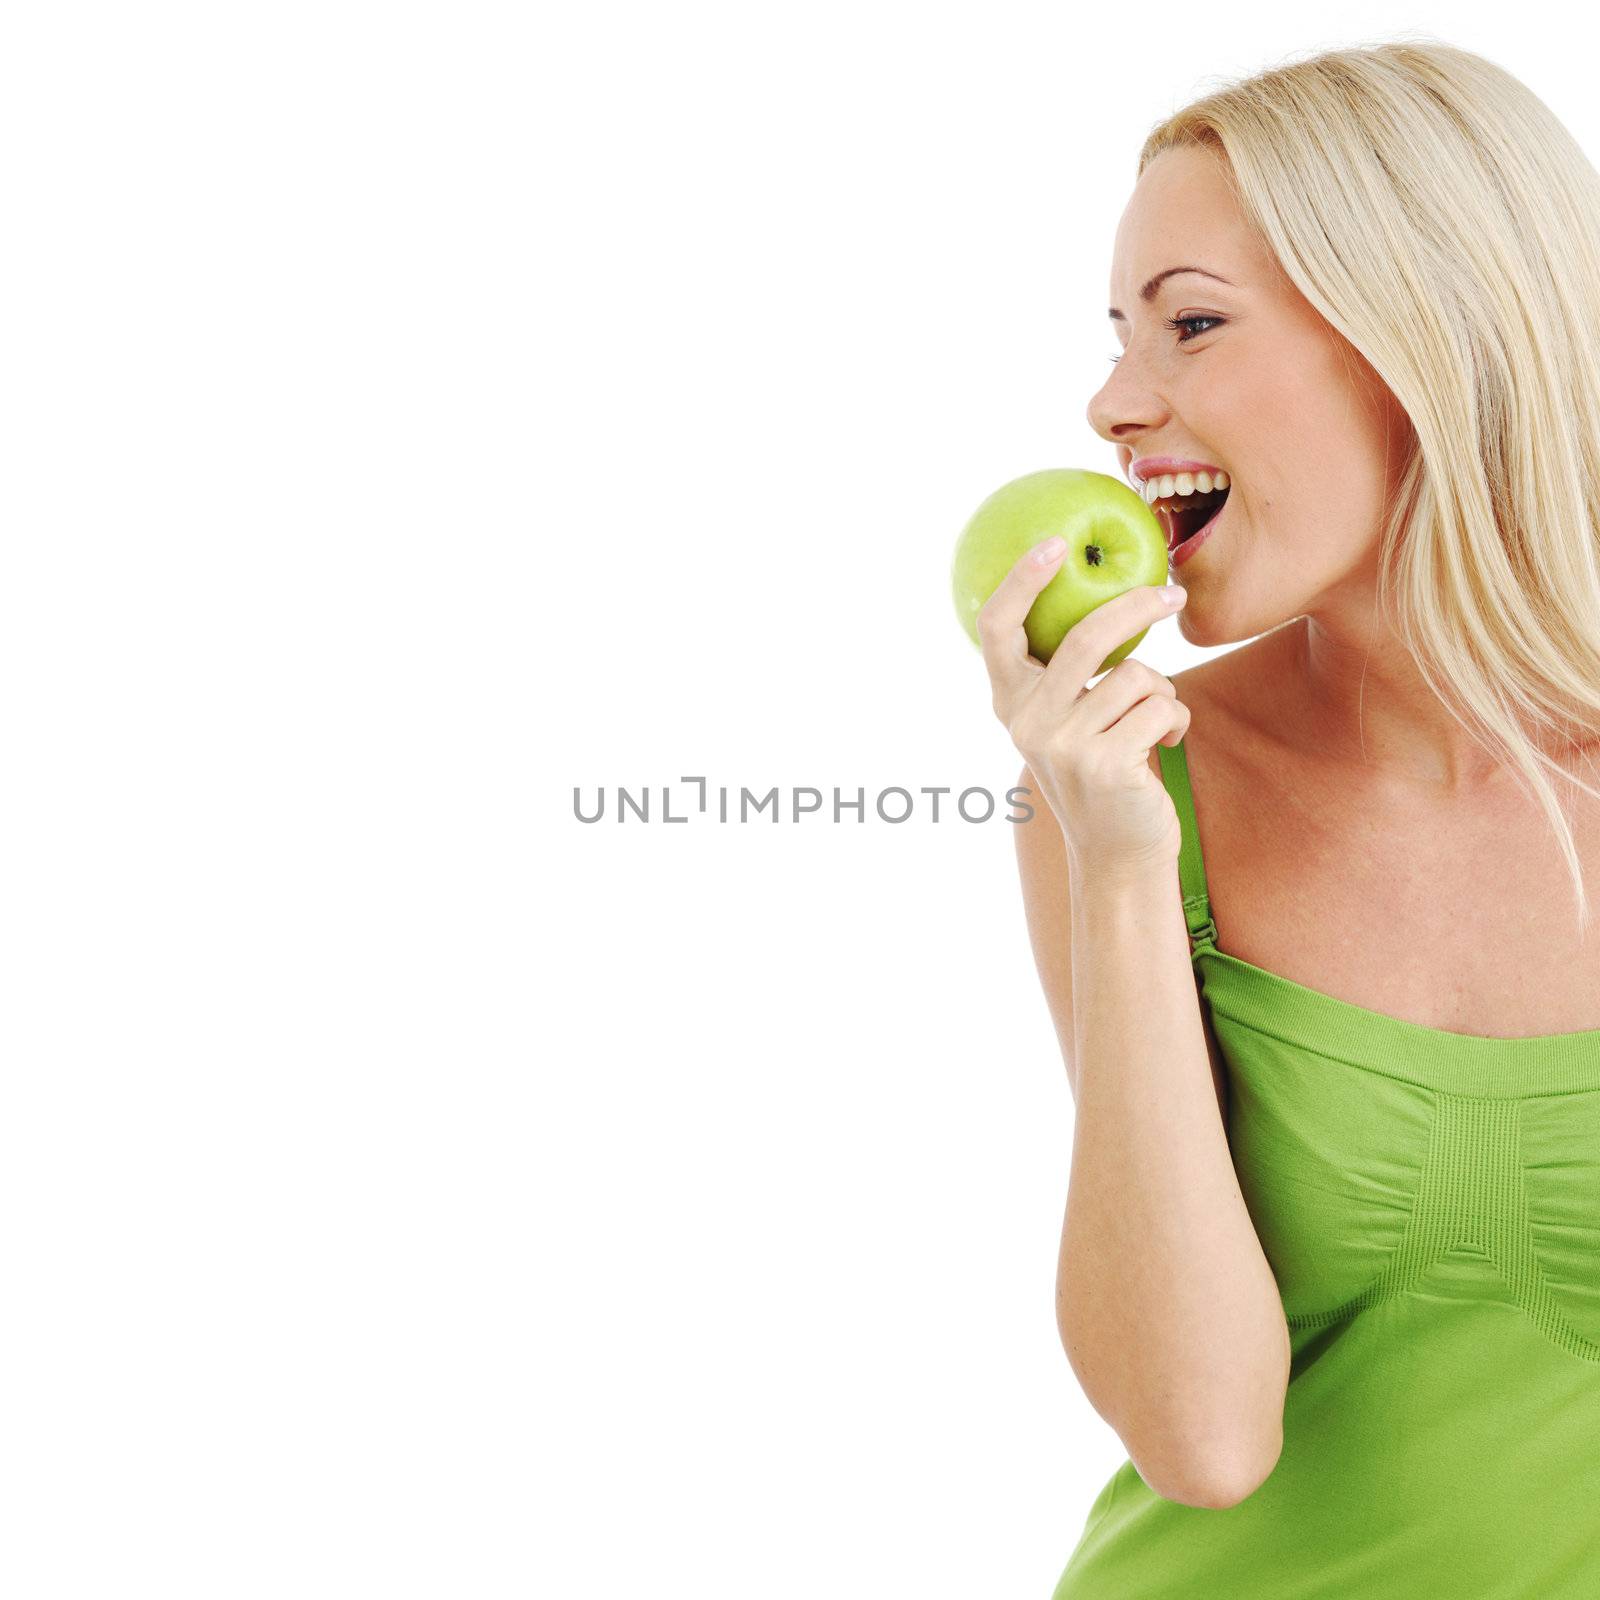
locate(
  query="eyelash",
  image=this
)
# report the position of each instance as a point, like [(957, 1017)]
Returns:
[(1179, 322)]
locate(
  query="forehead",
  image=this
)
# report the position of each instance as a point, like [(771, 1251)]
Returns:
[(1182, 210)]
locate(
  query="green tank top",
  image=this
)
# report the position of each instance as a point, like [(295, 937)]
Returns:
[(1430, 1205)]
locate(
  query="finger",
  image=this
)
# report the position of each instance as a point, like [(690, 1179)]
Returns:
[(1122, 688), (1092, 638), (1000, 620), (1156, 719)]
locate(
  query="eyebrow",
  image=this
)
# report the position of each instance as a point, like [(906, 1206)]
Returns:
[(1148, 293)]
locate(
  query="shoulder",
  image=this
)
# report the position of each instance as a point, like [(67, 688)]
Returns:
[(1232, 717), (1197, 688)]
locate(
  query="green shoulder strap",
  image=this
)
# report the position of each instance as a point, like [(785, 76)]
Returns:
[(1191, 865)]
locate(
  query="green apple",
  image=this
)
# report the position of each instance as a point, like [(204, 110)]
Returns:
[(1114, 543)]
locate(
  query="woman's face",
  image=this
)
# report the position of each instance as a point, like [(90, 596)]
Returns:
[(1312, 441)]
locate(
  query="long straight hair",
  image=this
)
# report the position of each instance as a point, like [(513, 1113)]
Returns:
[(1444, 222)]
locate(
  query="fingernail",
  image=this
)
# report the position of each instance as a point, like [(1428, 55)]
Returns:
[(1050, 549), (1174, 594)]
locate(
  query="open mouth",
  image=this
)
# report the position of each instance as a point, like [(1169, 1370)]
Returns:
[(1183, 516)]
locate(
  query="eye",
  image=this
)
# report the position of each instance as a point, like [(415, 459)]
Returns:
[(1175, 323), (1183, 322)]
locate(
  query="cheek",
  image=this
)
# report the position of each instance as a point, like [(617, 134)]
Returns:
[(1294, 392)]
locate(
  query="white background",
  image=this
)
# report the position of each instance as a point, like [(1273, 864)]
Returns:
[(415, 413)]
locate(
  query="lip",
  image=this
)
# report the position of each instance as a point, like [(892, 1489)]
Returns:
[(1156, 466), (1181, 552)]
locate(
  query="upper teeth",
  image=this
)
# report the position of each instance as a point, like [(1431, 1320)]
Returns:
[(1168, 484)]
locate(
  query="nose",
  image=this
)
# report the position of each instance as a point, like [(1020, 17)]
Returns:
[(1124, 409)]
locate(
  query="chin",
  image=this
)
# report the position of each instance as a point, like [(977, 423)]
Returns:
[(1196, 630), (1209, 626)]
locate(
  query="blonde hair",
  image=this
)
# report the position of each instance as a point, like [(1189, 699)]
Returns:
[(1444, 222)]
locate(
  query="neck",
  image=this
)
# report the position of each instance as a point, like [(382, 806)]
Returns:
[(1361, 698)]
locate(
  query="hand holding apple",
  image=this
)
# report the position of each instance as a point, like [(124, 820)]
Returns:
[(1088, 749)]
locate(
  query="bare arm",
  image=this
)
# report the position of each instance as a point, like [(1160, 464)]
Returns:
[(1167, 1307), (1047, 902)]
